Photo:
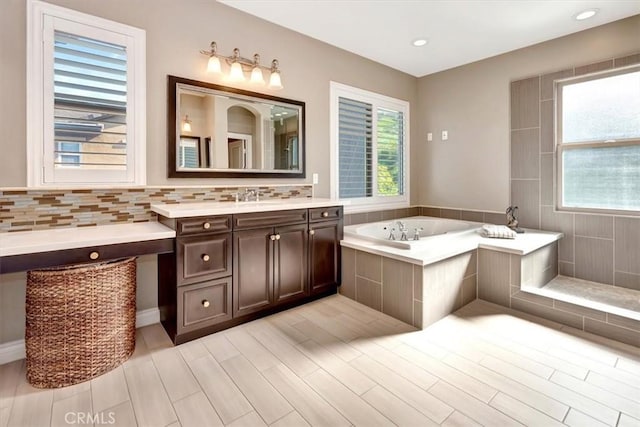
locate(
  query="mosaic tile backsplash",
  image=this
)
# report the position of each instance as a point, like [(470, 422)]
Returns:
[(22, 210)]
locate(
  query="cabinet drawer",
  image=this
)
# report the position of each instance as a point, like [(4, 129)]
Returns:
[(215, 224), (203, 257), (324, 214), (269, 219), (204, 304)]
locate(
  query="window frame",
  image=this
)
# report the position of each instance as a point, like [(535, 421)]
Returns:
[(364, 204), (41, 18), (560, 147)]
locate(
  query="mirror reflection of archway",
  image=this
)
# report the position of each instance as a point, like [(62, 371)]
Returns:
[(241, 134)]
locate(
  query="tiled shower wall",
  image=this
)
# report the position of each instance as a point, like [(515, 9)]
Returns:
[(600, 248), (26, 209)]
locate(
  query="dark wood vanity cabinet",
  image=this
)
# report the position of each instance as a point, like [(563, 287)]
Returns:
[(324, 255), (269, 263), (230, 269), (195, 281)]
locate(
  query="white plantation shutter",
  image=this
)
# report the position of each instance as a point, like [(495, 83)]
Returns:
[(355, 150), (86, 99), (90, 103), (369, 148)]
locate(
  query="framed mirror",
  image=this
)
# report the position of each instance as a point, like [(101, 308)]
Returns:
[(215, 131)]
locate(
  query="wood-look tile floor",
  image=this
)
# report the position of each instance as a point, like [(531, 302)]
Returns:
[(335, 362)]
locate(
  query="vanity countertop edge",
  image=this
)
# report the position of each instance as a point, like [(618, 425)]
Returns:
[(187, 210), (30, 242)]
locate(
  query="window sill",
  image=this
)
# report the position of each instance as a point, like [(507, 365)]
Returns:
[(374, 206)]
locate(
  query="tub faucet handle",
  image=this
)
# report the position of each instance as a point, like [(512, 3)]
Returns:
[(416, 233), (392, 231)]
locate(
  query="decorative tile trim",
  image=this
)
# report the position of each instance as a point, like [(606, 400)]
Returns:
[(24, 209)]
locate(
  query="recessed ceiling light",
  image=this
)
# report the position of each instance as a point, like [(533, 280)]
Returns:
[(419, 42), (585, 14)]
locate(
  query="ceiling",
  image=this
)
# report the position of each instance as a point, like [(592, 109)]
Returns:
[(458, 31)]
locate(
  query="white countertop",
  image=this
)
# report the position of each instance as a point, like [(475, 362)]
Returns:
[(28, 242), (184, 210), (438, 248)]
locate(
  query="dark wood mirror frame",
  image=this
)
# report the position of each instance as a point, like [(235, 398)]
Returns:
[(172, 106)]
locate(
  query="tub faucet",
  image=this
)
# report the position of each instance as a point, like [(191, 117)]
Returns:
[(403, 231)]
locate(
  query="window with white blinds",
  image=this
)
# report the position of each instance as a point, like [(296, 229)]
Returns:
[(355, 157), (86, 95), (369, 147), (90, 103)]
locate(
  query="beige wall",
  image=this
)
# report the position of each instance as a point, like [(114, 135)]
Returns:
[(471, 169), (176, 31)]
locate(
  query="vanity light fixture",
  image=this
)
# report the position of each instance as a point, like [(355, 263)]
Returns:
[(239, 65), (186, 124)]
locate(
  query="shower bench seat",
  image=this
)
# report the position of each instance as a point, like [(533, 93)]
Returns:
[(607, 310)]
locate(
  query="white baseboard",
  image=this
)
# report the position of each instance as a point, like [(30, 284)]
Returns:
[(14, 350), (147, 317)]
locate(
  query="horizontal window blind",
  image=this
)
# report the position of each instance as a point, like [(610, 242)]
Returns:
[(355, 134), (90, 103), (188, 154)]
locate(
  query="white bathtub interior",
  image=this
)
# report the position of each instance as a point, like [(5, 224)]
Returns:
[(427, 227)]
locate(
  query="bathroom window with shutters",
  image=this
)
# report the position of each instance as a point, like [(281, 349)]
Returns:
[(369, 148), (598, 142), (86, 93)]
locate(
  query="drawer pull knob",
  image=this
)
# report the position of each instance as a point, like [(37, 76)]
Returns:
[(94, 255), (205, 257), (312, 232), (272, 237), (206, 226), (205, 303), (277, 237), (325, 214)]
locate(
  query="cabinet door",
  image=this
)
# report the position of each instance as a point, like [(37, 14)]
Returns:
[(324, 255), (290, 263), (252, 270)]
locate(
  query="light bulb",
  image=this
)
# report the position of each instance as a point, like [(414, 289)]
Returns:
[(214, 65), (186, 124), (236, 73), (274, 80), (256, 75)]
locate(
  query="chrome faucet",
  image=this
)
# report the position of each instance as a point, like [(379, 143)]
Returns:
[(247, 195), (403, 230)]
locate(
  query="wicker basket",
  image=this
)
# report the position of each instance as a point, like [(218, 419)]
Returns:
[(80, 321)]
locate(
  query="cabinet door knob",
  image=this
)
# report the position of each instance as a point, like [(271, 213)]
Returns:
[(206, 226), (312, 232), (94, 255), (277, 237), (272, 237), (205, 257), (325, 214), (205, 303)]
